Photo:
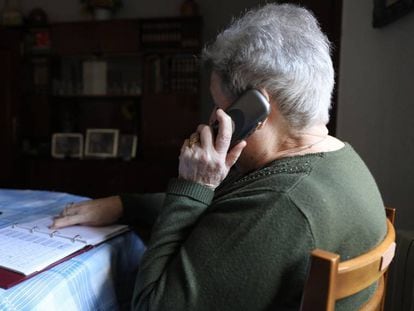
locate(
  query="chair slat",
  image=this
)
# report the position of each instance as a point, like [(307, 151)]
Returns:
[(357, 274), (322, 262), (330, 280)]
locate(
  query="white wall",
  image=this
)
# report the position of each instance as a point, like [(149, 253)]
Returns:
[(376, 101)]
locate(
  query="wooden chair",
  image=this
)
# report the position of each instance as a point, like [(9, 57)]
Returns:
[(330, 280)]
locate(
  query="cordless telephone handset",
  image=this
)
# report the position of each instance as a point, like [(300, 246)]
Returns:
[(247, 113)]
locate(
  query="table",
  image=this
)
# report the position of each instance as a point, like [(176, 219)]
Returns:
[(100, 279)]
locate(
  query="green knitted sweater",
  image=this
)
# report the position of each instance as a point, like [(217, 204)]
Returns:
[(246, 246)]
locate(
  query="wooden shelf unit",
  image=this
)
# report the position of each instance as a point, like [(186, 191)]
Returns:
[(157, 103)]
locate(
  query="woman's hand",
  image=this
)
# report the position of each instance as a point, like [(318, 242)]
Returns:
[(99, 212), (208, 162)]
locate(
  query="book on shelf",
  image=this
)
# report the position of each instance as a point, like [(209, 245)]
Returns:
[(41, 74), (95, 77), (171, 33), (176, 73), (184, 70), (29, 248)]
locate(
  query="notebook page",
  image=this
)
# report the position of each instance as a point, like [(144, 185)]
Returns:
[(24, 252)]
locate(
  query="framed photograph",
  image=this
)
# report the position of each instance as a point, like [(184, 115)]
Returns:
[(127, 146), (101, 143), (387, 11), (67, 145)]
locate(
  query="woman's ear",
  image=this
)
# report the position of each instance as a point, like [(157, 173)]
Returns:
[(261, 124), (265, 94)]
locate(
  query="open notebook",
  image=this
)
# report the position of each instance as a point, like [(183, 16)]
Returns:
[(28, 248)]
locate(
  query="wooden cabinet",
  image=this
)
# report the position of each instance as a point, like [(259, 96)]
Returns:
[(151, 90), (173, 118), (113, 37), (98, 178)]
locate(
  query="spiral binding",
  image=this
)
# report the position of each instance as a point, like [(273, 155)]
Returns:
[(55, 233)]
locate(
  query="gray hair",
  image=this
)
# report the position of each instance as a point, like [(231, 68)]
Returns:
[(282, 49)]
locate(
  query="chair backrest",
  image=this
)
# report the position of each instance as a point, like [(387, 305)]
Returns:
[(330, 280)]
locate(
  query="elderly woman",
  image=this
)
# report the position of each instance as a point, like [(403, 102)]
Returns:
[(235, 229)]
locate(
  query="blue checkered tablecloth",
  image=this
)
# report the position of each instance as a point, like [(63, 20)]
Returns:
[(100, 279)]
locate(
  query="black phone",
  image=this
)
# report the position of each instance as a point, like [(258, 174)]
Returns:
[(247, 113)]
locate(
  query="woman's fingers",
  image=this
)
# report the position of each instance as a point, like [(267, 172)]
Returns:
[(234, 153), (206, 136), (206, 159), (65, 221), (225, 131), (97, 212)]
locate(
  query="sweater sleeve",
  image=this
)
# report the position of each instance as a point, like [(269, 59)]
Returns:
[(141, 208), (230, 255)]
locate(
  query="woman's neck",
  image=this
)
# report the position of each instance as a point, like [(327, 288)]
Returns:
[(301, 142)]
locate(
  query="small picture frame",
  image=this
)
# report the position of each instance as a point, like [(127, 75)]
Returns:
[(101, 143), (67, 145), (127, 146)]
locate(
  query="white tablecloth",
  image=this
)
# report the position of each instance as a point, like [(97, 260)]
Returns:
[(100, 279)]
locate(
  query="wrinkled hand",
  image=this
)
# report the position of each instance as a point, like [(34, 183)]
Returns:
[(208, 162), (99, 212)]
